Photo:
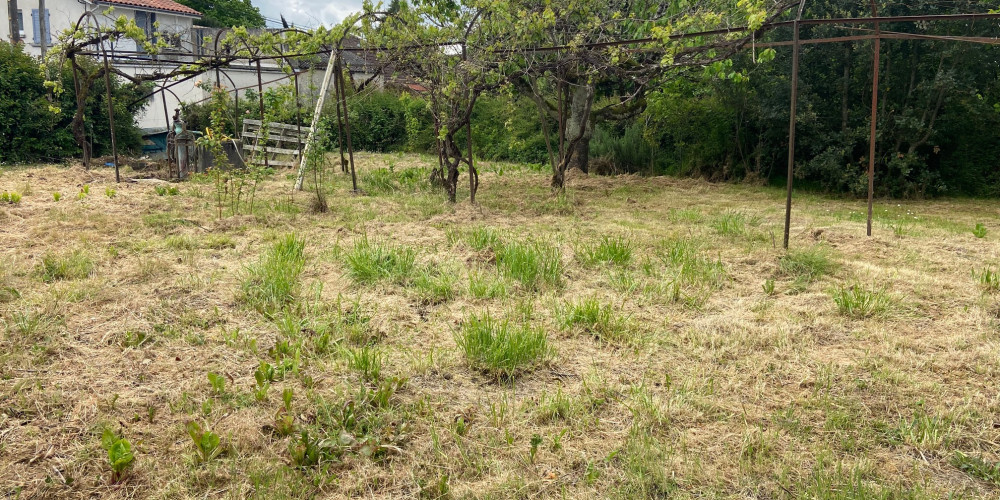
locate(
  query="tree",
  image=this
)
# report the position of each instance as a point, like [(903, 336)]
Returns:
[(226, 13), (449, 48)]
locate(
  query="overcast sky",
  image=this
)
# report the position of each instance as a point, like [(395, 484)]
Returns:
[(307, 13)]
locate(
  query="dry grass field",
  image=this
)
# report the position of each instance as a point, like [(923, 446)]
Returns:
[(633, 338)]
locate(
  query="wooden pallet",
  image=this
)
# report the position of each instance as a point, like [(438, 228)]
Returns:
[(280, 148)]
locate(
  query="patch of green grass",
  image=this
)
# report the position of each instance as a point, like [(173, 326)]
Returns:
[(977, 467), (72, 266), (484, 285), (370, 262), (271, 284), (989, 279), (594, 318), (435, 286), (367, 361), (735, 224), (980, 230), (532, 263), (923, 431), (501, 348), (12, 197), (609, 250), (859, 302), (686, 261), (484, 238), (830, 481), (807, 265)]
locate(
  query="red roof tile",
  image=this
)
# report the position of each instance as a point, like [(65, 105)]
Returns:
[(162, 5)]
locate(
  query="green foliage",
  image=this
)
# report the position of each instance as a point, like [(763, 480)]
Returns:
[(989, 279), (120, 456), (370, 262), (166, 190), (977, 467), (630, 152), (533, 263), (484, 285), (367, 361), (435, 286), (807, 265), (271, 284), (226, 13), (110, 192), (73, 266), (594, 318), (859, 302), (13, 197), (609, 250), (501, 348), (56, 196), (207, 444), (218, 383), (980, 230), (736, 224)]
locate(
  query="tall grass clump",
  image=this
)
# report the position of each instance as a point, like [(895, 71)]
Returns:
[(736, 225), (434, 285), (484, 238), (594, 318), (501, 348), (807, 265), (858, 302), (533, 263), (685, 259), (73, 266), (484, 285), (271, 283), (370, 262), (609, 250)]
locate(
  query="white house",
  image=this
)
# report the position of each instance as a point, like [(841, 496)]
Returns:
[(175, 25)]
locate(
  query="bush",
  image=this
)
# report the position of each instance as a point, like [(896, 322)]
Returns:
[(29, 131)]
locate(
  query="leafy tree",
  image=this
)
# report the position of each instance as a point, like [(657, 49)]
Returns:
[(226, 13)]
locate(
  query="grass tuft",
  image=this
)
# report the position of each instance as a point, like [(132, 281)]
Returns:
[(72, 266), (807, 265), (500, 348), (533, 263), (609, 250), (858, 302), (594, 318), (271, 284), (370, 262), (737, 224)]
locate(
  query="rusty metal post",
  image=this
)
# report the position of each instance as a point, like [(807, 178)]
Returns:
[(263, 119), (111, 110), (796, 48), (871, 139)]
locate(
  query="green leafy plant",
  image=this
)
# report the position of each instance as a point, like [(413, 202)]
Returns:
[(136, 340), (12, 197), (501, 348), (989, 279), (218, 383), (84, 191), (166, 190), (536, 441), (110, 193), (207, 444), (977, 467), (120, 456), (367, 361), (768, 287), (980, 230), (56, 196)]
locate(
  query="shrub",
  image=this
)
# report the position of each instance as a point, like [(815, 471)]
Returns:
[(271, 283), (501, 348)]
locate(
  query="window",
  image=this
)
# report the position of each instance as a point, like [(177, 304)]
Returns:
[(146, 21), (36, 39), (20, 23)]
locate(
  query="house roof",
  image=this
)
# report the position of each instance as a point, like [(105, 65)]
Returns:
[(161, 5)]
